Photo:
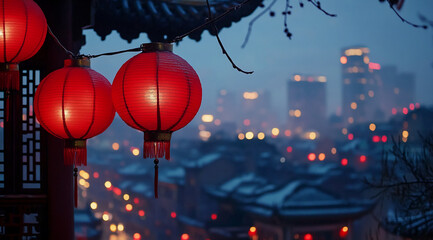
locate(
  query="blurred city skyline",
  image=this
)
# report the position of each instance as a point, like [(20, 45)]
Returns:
[(314, 50)]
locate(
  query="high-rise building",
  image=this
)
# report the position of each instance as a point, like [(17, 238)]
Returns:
[(398, 90), (256, 111), (307, 103), (360, 86)]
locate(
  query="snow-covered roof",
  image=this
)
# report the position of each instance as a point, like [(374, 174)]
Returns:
[(201, 162)]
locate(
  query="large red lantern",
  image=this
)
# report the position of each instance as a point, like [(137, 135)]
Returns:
[(74, 103), (23, 28), (156, 92)]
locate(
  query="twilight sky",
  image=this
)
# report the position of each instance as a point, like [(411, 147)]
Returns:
[(314, 49)]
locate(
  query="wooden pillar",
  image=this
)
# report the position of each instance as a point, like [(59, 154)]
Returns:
[(60, 207)]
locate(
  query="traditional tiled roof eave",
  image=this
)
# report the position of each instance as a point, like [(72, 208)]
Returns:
[(162, 20)]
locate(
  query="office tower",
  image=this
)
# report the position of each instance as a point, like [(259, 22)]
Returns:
[(307, 103)]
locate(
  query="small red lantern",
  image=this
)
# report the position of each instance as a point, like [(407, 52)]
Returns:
[(156, 92), (74, 103), (23, 28)]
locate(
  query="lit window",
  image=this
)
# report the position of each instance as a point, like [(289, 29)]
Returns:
[(241, 136), (207, 118), (251, 95), (249, 135)]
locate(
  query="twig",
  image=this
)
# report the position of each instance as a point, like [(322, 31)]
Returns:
[(250, 25), (404, 20), (210, 21), (318, 6), (221, 44), (113, 53)]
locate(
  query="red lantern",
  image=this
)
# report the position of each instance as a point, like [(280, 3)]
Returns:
[(74, 103), (156, 92), (23, 28), (22, 32)]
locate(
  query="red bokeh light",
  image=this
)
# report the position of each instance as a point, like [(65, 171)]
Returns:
[(311, 157), (288, 133), (417, 105), (252, 232), (184, 236), (350, 136), (412, 106), (344, 231), (363, 158), (137, 236), (289, 149), (394, 111), (214, 216), (308, 237), (405, 111), (344, 161), (247, 122), (128, 207), (376, 139), (141, 213), (384, 138), (173, 214), (117, 191), (136, 200), (96, 175)]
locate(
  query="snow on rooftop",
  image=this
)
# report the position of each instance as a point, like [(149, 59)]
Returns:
[(235, 182), (277, 198), (206, 159)]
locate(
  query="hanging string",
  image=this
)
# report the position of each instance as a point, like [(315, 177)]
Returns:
[(75, 182), (155, 180), (209, 21)]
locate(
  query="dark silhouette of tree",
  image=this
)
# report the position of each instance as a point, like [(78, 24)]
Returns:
[(405, 186)]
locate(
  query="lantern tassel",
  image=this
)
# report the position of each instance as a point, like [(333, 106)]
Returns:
[(155, 181), (9, 77), (75, 187), (156, 150), (75, 152)]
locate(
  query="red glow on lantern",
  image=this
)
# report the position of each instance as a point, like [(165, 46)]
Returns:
[(384, 138), (405, 111), (141, 213), (308, 237), (350, 136), (184, 236), (74, 103), (117, 191), (289, 149), (394, 111), (173, 214), (214, 216), (344, 161), (376, 139), (362, 158), (311, 157), (156, 92), (23, 29), (96, 175), (136, 200)]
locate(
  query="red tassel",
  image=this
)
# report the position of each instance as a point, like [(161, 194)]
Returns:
[(155, 181), (75, 152), (9, 77), (75, 188), (156, 150)]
